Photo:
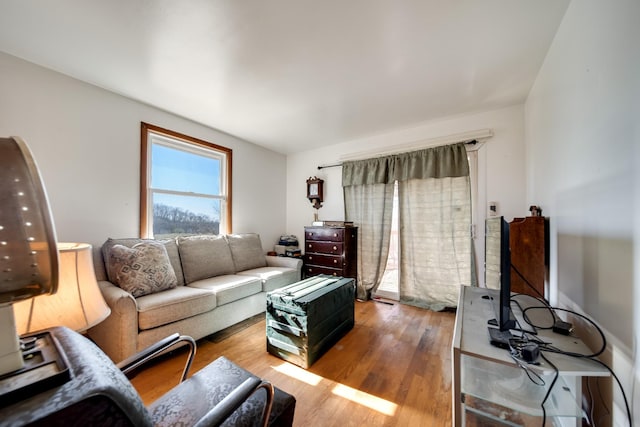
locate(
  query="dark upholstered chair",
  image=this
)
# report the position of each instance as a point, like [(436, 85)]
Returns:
[(99, 394)]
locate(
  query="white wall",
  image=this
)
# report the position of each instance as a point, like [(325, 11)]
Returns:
[(583, 144), (86, 142), (501, 167)]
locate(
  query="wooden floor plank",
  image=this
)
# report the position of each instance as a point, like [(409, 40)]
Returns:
[(392, 369)]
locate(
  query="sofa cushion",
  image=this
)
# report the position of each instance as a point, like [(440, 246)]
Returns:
[(173, 305), (229, 288), (204, 256), (273, 277), (246, 250), (169, 244)]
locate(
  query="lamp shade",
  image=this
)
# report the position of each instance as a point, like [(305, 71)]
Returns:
[(78, 303)]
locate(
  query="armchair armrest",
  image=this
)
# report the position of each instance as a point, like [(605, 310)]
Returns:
[(219, 413), (203, 399), (130, 364)]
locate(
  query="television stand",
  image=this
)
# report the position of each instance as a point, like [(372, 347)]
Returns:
[(489, 387)]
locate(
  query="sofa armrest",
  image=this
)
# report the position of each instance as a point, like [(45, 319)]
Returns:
[(283, 261), (117, 335)]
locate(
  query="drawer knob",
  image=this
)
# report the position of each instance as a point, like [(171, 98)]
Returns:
[(335, 248), (335, 234), (310, 257), (309, 244), (335, 261)]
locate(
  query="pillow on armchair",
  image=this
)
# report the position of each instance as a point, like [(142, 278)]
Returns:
[(142, 269)]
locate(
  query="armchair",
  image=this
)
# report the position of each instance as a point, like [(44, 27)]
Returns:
[(99, 393), (131, 364)]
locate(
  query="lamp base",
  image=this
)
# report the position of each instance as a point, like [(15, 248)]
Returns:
[(11, 362), (45, 366), (11, 355)]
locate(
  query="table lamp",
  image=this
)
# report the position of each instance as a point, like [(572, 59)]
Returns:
[(32, 265), (77, 304)]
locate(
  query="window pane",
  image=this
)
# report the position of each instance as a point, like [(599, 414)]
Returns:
[(173, 215), (183, 171)]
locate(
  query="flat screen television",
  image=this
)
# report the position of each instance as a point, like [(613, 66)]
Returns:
[(498, 276)]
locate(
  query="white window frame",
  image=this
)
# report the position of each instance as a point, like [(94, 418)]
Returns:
[(154, 135)]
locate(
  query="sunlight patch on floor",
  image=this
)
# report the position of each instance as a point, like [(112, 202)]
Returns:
[(360, 397), (365, 399), (298, 373)]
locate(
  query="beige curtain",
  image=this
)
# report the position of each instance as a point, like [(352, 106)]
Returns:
[(435, 241), (435, 218), (368, 202), (370, 207)]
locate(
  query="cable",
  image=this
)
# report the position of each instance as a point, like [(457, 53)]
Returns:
[(556, 375), (591, 401), (524, 314), (526, 281), (604, 403), (624, 395), (592, 357), (546, 396), (607, 411), (556, 350), (534, 377), (545, 346)]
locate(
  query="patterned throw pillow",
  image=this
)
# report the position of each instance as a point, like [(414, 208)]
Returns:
[(142, 269), (170, 245)]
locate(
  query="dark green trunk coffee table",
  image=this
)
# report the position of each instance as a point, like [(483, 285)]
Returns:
[(307, 318)]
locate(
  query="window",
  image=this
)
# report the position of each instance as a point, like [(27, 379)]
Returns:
[(185, 185)]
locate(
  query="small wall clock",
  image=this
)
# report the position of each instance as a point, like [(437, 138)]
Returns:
[(315, 191)]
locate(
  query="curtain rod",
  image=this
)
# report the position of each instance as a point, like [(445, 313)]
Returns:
[(471, 142)]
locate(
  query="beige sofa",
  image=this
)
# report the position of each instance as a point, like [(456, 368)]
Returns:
[(219, 281)]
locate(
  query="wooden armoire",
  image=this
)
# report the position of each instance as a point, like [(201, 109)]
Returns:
[(529, 244)]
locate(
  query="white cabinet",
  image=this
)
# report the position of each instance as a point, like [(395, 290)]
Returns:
[(489, 386)]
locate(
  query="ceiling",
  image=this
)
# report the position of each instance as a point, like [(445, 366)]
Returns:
[(292, 75)]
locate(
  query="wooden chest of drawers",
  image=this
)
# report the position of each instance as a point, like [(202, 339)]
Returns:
[(331, 250)]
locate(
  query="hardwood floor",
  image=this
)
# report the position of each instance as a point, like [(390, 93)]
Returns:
[(392, 369)]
